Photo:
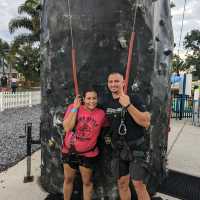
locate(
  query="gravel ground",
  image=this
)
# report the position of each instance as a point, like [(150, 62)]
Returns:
[(12, 140)]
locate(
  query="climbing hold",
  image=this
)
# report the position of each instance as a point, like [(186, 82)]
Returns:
[(162, 22), (157, 39), (167, 52)]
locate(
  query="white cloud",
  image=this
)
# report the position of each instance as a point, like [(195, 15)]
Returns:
[(7, 12), (191, 20)]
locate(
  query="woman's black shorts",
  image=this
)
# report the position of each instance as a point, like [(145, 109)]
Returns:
[(75, 160)]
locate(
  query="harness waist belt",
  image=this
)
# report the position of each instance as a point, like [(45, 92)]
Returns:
[(138, 154), (136, 142), (72, 150)]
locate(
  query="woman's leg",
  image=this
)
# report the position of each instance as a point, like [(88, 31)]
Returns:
[(86, 175), (69, 175)]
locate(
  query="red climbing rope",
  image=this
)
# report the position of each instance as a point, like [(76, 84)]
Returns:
[(74, 65), (128, 66), (74, 71), (130, 50)]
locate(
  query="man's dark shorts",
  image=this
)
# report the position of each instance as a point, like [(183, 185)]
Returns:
[(134, 168), (75, 160)]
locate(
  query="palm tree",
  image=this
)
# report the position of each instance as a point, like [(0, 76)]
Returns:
[(4, 49), (27, 61), (30, 21)]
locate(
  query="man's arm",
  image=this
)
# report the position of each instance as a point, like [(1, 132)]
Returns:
[(141, 118)]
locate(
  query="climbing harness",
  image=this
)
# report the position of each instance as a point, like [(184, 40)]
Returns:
[(130, 150), (72, 140), (130, 50), (122, 130), (73, 52)]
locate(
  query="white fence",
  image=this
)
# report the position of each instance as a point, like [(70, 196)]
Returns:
[(19, 99)]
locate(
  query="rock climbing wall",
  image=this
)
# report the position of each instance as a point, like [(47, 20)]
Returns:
[(101, 33)]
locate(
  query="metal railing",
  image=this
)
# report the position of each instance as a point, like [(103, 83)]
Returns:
[(196, 113), (182, 107), (186, 107)]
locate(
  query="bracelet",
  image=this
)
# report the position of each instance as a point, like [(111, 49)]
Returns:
[(128, 105), (74, 110)]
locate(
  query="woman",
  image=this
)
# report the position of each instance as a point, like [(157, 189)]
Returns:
[(82, 124), (14, 84)]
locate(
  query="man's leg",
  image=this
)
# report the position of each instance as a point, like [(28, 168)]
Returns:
[(69, 175), (123, 187), (138, 174), (86, 175), (141, 190)]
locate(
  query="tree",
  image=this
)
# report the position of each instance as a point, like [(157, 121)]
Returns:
[(4, 48), (192, 41), (30, 21), (194, 62), (25, 53), (178, 64), (27, 61), (192, 44)]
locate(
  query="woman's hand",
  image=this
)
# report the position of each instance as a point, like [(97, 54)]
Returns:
[(77, 102)]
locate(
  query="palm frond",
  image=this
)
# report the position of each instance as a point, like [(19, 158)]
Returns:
[(28, 10), (32, 2), (24, 39), (18, 23)]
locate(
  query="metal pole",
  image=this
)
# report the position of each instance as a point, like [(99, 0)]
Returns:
[(182, 102), (28, 129), (3, 65), (10, 72)]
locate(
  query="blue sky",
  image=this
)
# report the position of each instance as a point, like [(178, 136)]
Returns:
[(192, 17)]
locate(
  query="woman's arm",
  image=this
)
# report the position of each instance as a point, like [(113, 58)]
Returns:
[(71, 115)]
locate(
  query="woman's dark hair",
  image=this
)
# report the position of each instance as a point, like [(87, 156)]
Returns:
[(89, 89)]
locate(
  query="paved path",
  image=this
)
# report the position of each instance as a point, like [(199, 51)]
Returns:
[(185, 154), (12, 186)]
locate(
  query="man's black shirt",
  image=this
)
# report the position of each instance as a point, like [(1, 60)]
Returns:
[(113, 111)]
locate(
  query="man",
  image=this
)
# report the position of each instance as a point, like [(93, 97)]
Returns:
[(4, 81), (128, 120)]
